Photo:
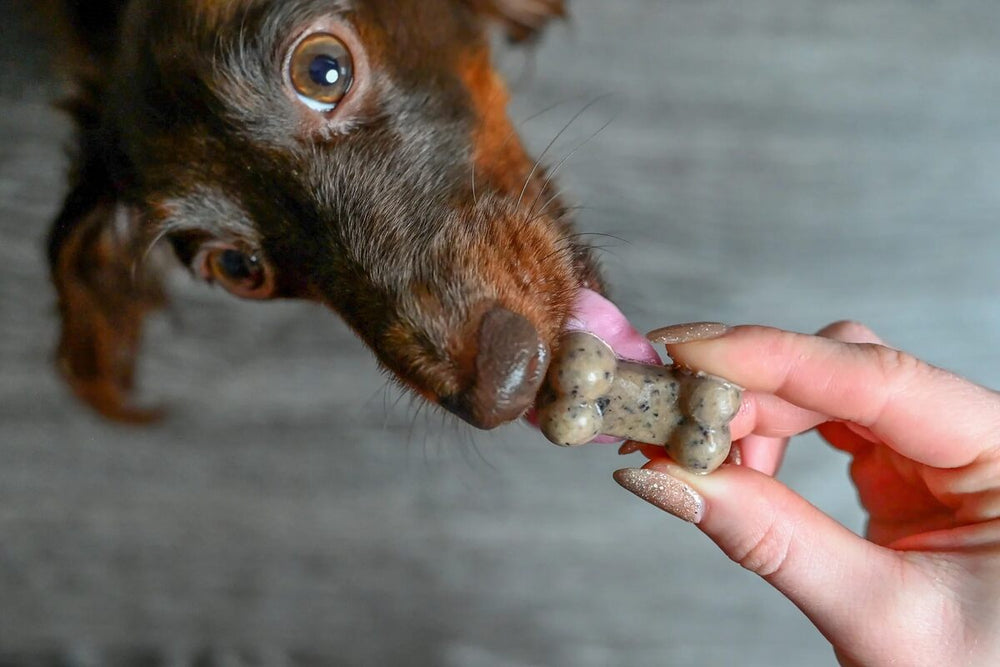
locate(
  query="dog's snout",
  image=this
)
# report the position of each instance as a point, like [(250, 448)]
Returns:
[(510, 363)]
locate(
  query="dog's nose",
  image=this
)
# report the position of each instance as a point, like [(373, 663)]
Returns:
[(510, 364)]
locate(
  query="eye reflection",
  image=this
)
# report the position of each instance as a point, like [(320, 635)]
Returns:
[(321, 71), (243, 274)]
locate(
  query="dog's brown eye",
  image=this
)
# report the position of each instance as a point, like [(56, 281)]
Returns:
[(243, 274), (321, 71)]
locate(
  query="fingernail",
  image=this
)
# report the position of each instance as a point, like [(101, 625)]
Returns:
[(629, 447), (735, 454), (666, 492), (685, 333)]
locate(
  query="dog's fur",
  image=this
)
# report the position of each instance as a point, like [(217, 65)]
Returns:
[(411, 210)]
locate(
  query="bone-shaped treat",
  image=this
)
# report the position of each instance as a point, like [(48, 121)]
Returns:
[(588, 392)]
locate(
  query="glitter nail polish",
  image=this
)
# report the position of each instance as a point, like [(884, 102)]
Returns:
[(685, 333), (666, 492)]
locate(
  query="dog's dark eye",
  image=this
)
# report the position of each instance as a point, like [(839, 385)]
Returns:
[(321, 70), (243, 274)]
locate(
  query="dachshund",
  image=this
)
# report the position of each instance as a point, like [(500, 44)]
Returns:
[(357, 153)]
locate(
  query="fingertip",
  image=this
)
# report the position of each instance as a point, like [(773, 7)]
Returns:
[(663, 490), (722, 355), (745, 419), (677, 334)]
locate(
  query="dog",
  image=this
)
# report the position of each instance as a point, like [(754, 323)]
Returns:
[(356, 153)]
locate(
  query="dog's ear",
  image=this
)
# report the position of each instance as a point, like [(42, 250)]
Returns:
[(523, 19), (95, 250), (105, 290)]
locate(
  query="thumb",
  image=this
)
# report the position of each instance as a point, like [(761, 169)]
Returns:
[(836, 578)]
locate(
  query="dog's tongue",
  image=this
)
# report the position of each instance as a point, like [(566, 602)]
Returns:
[(595, 314)]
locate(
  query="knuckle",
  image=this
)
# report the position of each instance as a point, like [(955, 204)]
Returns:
[(897, 368), (766, 553), (849, 331), (897, 372)]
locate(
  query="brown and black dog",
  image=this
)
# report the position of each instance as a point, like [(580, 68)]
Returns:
[(352, 152)]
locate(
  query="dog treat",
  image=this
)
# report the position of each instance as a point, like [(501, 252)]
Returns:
[(589, 392)]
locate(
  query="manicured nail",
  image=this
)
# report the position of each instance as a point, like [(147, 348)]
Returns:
[(629, 447), (685, 333), (735, 454), (666, 492)]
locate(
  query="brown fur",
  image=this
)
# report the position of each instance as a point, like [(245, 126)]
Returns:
[(411, 210)]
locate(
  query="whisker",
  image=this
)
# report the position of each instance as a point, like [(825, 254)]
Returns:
[(413, 421), (446, 424), (403, 394), (564, 246), (606, 250), (371, 397), (427, 432), (601, 234), (541, 156), (535, 115), (555, 170), (545, 206), (479, 454), (463, 451), (510, 135), (387, 410), (566, 210)]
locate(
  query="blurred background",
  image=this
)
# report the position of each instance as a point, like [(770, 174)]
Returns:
[(787, 162)]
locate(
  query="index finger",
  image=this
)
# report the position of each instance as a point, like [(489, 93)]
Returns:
[(925, 413)]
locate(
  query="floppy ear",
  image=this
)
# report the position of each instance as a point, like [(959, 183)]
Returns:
[(95, 250), (523, 19), (105, 291)]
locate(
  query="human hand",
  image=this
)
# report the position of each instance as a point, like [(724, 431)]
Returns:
[(924, 587)]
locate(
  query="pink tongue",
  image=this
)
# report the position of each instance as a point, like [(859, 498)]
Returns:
[(593, 313)]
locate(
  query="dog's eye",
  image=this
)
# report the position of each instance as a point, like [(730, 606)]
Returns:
[(243, 274), (321, 71)]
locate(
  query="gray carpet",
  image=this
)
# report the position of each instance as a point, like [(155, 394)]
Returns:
[(799, 160)]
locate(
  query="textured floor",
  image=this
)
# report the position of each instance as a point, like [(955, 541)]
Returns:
[(788, 162)]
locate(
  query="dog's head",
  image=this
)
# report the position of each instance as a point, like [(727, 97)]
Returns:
[(352, 152)]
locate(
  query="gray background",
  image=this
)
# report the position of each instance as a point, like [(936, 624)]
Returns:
[(788, 162)]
